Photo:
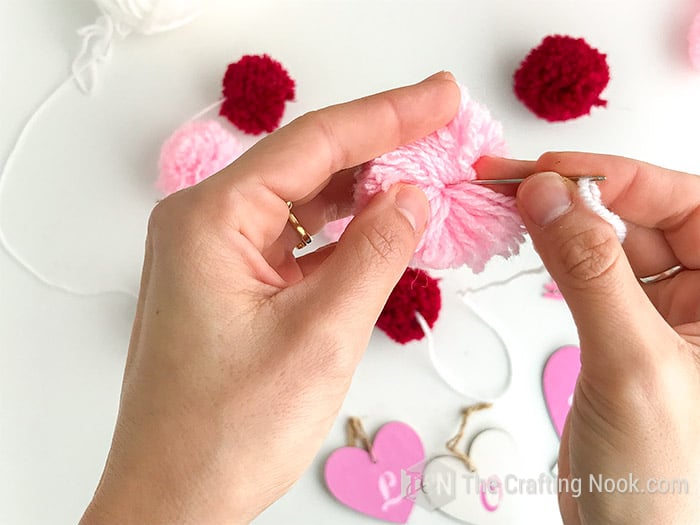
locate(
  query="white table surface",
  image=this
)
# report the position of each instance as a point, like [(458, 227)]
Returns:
[(76, 204)]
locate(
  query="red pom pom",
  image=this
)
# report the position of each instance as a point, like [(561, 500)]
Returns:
[(562, 78), (255, 91), (415, 292)]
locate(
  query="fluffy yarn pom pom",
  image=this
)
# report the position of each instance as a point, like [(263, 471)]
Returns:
[(255, 90), (195, 151), (415, 292), (562, 78), (149, 16), (468, 223), (694, 42)]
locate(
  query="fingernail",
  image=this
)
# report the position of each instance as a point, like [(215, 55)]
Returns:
[(547, 198), (440, 75), (413, 204)]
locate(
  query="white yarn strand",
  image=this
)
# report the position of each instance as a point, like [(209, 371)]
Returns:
[(445, 374), (205, 110), (119, 18), (589, 192), (11, 251), (95, 49), (530, 271)]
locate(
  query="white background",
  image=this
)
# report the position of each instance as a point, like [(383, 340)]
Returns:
[(76, 203)]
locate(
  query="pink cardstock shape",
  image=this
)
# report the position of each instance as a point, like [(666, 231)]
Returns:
[(374, 488), (559, 382)]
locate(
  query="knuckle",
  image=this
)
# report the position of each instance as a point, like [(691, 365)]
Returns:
[(392, 115), (160, 217), (549, 160), (322, 130), (590, 255), (385, 244), (177, 220), (221, 209)]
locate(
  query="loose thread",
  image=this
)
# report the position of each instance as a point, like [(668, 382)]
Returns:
[(529, 271), (97, 42), (356, 433), (445, 375), (96, 48), (11, 251), (454, 443), (206, 110), (9, 161)]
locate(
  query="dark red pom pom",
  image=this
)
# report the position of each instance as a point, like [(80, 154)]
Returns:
[(415, 292), (562, 78), (255, 91)]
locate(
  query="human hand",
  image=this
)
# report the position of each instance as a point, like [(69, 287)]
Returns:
[(634, 410), (241, 354)]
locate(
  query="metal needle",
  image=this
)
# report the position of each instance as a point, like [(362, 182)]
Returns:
[(484, 182)]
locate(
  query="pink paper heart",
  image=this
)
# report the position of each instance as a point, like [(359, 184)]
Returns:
[(559, 382), (374, 488), (551, 291)]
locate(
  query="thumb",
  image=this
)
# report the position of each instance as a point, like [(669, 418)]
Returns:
[(371, 255), (615, 319)]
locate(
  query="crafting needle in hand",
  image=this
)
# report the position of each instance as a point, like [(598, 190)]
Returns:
[(484, 182)]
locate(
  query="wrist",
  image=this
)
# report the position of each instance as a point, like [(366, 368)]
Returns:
[(137, 501)]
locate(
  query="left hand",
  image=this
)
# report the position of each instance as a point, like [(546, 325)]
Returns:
[(241, 354)]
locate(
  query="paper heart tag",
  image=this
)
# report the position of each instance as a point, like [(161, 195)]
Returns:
[(558, 383), (551, 291), (475, 497), (374, 488)]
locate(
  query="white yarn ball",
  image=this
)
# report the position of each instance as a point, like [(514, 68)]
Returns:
[(150, 16), (119, 18)]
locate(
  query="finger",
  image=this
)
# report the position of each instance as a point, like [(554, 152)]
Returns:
[(678, 298), (141, 302), (646, 195), (310, 262), (298, 158), (617, 323), (648, 250), (499, 168), (334, 202), (356, 279)]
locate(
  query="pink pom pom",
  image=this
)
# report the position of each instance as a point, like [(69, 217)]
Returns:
[(195, 151), (468, 223), (694, 42)]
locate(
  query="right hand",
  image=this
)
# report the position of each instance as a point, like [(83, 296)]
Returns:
[(635, 409)]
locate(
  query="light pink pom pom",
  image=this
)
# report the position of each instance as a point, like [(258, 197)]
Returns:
[(333, 230), (195, 151), (468, 224), (694, 42)]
